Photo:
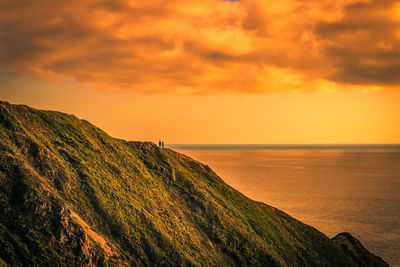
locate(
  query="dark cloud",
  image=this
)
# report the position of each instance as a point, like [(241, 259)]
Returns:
[(364, 45), (359, 74)]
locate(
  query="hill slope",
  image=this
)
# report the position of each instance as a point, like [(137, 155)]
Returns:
[(72, 195)]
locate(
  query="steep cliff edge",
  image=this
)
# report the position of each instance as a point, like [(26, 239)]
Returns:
[(72, 195)]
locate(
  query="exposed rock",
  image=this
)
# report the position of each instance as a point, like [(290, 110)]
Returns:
[(353, 248)]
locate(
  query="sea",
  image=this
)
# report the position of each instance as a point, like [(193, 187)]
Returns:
[(334, 188)]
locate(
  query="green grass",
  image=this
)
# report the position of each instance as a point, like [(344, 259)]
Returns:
[(152, 206)]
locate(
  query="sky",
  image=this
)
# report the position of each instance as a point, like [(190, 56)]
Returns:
[(210, 71)]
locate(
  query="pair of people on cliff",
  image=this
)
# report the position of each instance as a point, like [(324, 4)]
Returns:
[(161, 144)]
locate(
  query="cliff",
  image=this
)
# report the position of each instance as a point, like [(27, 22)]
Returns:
[(72, 195)]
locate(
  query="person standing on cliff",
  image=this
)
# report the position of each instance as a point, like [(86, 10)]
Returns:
[(162, 144), (159, 143)]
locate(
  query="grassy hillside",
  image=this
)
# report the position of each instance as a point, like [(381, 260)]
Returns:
[(70, 195)]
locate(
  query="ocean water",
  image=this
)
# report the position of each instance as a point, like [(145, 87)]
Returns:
[(333, 188)]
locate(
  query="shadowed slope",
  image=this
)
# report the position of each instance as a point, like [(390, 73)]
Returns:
[(71, 194), (356, 251)]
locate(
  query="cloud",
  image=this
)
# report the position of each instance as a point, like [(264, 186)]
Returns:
[(364, 45), (204, 47)]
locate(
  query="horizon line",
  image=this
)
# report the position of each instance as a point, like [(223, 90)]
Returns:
[(294, 144), (283, 146)]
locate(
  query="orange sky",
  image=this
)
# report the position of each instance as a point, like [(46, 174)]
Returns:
[(210, 71)]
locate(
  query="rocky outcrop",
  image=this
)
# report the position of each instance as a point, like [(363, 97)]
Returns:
[(353, 248)]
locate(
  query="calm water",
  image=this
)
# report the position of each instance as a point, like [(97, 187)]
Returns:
[(333, 188)]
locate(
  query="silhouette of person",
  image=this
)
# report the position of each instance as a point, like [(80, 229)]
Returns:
[(159, 143), (162, 144)]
